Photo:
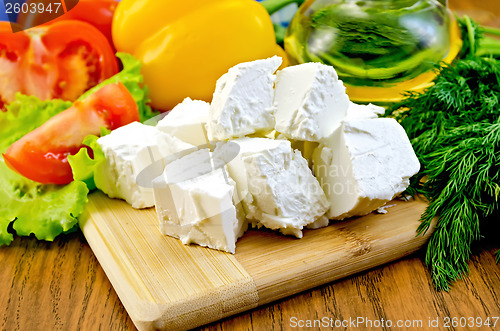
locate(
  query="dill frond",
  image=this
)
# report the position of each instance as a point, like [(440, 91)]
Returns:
[(454, 127)]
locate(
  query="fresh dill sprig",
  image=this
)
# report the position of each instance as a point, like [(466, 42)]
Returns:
[(454, 127), (462, 187), (478, 40)]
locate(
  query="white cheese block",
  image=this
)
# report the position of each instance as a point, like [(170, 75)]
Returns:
[(357, 111), (284, 195), (187, 121), (195, 202), (310, 101), (242, 103), (229, 154), (363, 165), (131, 151)]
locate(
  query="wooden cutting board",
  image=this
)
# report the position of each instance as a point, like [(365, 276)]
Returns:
[(164, 284)]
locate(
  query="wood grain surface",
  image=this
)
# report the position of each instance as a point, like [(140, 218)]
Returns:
[(167, 285), (60, 285)]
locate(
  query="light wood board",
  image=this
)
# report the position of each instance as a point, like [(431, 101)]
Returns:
[(164, 284)]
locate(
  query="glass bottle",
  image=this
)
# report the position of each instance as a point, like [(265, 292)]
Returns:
[(379, 48)]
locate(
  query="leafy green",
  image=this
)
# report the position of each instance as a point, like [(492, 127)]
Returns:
[(83, 165), (45, 210), (25, 114), (131, 77), (454, 127), (48, 210), (479, 40)]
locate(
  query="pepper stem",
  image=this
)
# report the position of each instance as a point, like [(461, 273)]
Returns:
[(273, 6)]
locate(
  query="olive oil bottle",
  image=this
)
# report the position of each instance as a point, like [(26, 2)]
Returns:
[(379, 48)]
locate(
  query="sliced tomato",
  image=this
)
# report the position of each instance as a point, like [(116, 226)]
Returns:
[(11, 50), (99, 13), (41, 155), (61, 60)]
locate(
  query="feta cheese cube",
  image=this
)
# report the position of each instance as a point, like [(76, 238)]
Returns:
[(285, 196), (195, 202), (363, 165), (242, 103), (310, 101), (357, 111), (131, 151), (187, 122)]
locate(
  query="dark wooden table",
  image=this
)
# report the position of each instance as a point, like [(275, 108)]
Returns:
[(60, 285)]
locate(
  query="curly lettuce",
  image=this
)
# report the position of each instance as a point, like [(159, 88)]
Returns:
[(33, 208), (25, 114), (27, 206), (84, 166)]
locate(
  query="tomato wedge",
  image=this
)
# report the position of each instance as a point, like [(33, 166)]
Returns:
[(41, 155), (99, 13), (60, 60)]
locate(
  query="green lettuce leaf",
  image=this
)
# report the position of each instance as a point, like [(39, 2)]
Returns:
[(44, 210), (84, 166), (49, 210), (131, 77), (25, 114)]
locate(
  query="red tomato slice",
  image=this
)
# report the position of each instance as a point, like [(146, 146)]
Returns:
[(61, 60), (41, 155), (11, 50), (98, 13)]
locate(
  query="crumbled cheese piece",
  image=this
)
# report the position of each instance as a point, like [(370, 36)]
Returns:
[(321, 222), (356, 111), (242, 103), (383, 209), (130, 152), (363, 165), (279, 190), (195, 202), (310, 101), (187, 121)]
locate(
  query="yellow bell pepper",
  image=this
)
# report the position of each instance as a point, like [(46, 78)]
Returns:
[(186, 45)]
